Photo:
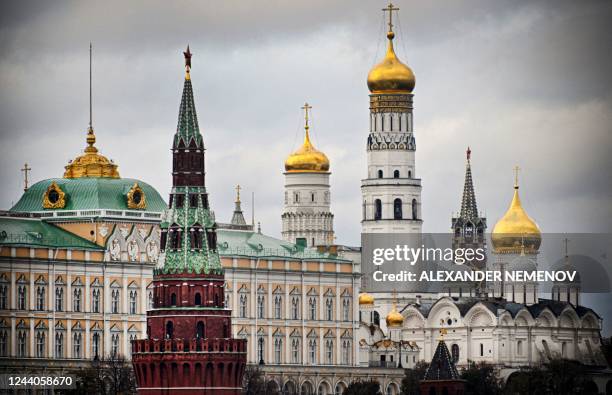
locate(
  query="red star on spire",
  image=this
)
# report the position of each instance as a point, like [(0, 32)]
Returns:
[(187, 58)]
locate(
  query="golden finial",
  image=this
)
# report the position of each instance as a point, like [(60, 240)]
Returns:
[(187, 55), (390, 8), (516, 174), (238, 193), (25, 171), (443, 332)]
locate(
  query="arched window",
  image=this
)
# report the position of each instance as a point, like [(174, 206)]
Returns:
[(115, 344), (243, 306), (363, 214), (377, 209), (40, 298), (76, 345), (346, 347), (200, 333), (409, 173), (312, 302), (169, 330), (346, 309), (278, 344), (329, 352), (329, 310), (76, 299), (414, 209), (59, 298), (173, 299), (196, 232), (59, 345), (481, 350), (260, 350), (296, 197), (277, 307), (40, 344), (380, 174), (175, 237), (295, 350), (133, 301), (198, 299), (396, 173), (225, 330), (397, 209), (455, 352), (519, 347), (312, 197), (95, 346), (21, 297), (260, 306), (95, 301), (376, 318), (312, 351), (295, 308), (115, 301)]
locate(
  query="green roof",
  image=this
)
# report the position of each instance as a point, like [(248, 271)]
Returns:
[(254, 244), (37, 233), (90, 193)]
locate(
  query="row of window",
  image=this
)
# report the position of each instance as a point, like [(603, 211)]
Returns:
[(397, 209), (77, 299), (311, 197), (177, 200), (173, 237), (59, 351), (295, 308), (390, 121), (396, 174), (296, 351)]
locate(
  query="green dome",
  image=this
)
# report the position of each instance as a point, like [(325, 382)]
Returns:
[(90, 193)]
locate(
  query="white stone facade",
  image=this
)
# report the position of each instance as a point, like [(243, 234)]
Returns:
[(307, 216)]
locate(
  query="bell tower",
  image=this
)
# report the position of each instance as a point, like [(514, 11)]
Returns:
[(391, 191)]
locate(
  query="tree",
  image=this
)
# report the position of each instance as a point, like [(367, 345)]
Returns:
[(412, 379), (370, 387), (112, 375), (255, 383), (481, 379), (558, 376)]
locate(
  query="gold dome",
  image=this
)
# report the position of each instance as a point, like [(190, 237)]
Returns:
[(516, 231), (307, 159), (91, 163), (366, 299), (391, 75), (394, 318)]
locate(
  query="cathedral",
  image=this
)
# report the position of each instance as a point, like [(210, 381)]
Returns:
[(94, 265)]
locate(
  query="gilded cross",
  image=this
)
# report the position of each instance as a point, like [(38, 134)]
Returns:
[(306, 107), (390, 8), (516, 173), (238, 188), (25, 170)]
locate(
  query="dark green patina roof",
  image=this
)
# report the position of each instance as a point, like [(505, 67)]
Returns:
[(90, 193), (254, 244), (37, 233)]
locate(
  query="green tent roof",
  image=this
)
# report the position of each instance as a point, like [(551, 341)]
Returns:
[(90, 193), (37, 233)]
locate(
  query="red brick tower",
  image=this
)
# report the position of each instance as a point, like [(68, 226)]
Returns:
[(189, 349)]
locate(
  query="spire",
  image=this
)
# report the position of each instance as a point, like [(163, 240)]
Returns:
[(238, 217), (442, 366), (187, 128), (469, 210), (91, 163)]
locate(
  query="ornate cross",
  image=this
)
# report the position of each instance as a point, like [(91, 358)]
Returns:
[(390, 8), (25, 170), (516, 173), (468, 153), (238, 193), (306, 107)]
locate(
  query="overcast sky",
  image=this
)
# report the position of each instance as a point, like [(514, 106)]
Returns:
[(522, 83)]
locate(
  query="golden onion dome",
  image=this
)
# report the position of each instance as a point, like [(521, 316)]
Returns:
[(366, 299), (391, 75), (91, 163), (394, 318), (307, 159), (516, 232)]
